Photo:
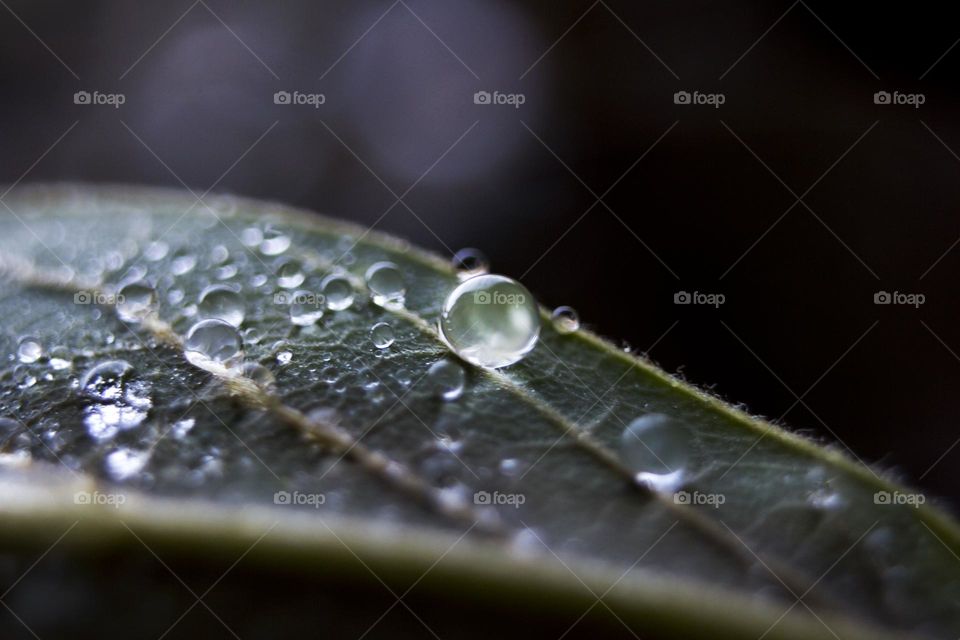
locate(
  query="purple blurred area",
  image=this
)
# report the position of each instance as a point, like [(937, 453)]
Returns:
[(599, 191)]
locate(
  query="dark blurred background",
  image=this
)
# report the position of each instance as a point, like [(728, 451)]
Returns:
[(693, 197)]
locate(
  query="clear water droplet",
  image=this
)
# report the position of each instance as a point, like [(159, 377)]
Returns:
[(290, 274), (469, 263), (259, 374), (156, 251), (123, 464), (183, 262), (251, 237), (118, 399), (382, 335), (337, 292), (181, 428), (284, 357), (490, 321), (29, 349), (386, 283), (447, 379), (221, 302), (60, 358), (219, 254), (565, 320), (135, 301), (658, 448), (510, 467), (274, 242), (214, 340), (305, 308)]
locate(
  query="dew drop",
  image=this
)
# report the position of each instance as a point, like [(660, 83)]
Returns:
[(60, 358), (382, 335), (337, 291), (290, 274), (220, 302), (183, 262), (259, 374), (565, 320), (470, 263), (119, 400), (214, 340), (386, 283), (446, 378), (156, 251), (305, 308), (123, 464), (29, 349), (251, 237), (274, 242), (219, 254), (657, 448), (135, 301), (284, 357), (490, 321)]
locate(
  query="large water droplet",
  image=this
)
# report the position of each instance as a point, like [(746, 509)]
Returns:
[(337, 292), (221, 302), (29, 349), (446, 379), (382, 335), (290, 274), (565, 319), (135, 301), (386, 283), (275, 241), (214, 340), (305, 308), (490, 321), (123, 464), (470, 263), (120, 401), (658, 448)]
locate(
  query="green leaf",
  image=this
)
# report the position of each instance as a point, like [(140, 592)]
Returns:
[(385, 472)]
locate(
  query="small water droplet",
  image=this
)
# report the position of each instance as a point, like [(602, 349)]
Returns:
[(120, 400), (337, 291), (214, 340), (490, 321), (275, 241), (60, 358), (510, 467), (123, 464), (469, 263), (251, 237), (386, 283), (657, 448), (565, 319), (219, 254), (135, 301), (305, 308), (183, 262), (446, 379), (221, 302), (290, 274), (29, 349), (181, 428), (156, 251), (284, 357), (259, 373), (382, 335)]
